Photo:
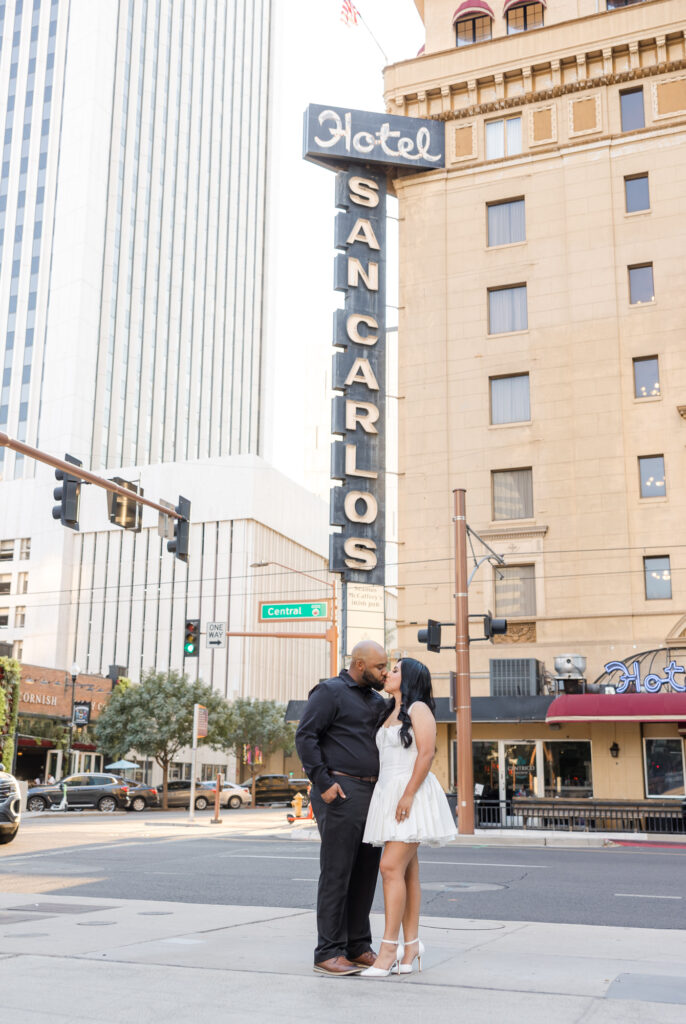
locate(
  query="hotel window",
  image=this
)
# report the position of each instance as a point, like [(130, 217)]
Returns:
[(510, 399), (20, 616), (658, 578), (651, 469), (631, 108), (503, 138), (5, 584), (25, 548), (472, 30), (22, 583), (513, 494), (646, 377), (6, 550), (506, 222), (4, 617), (567, 766), (664, 767), (515, 590), (637, 193), (641, 286), (522, 17), (507, 309)]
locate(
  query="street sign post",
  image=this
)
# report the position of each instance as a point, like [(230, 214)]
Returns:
[(293, 610), (215, 635)]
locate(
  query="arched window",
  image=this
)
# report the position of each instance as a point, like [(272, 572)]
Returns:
[(472, 21), (522, 16)]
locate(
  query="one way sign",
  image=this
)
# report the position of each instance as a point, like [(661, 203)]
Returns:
[(216, 634)]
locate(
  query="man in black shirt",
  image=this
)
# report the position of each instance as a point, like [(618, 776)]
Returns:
[(336, 742)]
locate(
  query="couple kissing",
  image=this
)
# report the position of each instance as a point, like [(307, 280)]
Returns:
[(375, 801)]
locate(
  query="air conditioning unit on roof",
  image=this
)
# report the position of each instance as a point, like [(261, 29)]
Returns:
[(516, 677)]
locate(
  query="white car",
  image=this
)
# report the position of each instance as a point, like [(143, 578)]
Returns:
[(232, 795), (10, 806)]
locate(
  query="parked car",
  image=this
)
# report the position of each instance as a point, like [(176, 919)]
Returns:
[(91, 789), (179, 795), (10, 806), (141, 795), (276, 789), (232, 795)]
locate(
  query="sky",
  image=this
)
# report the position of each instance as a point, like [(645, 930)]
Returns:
[(317, 59)]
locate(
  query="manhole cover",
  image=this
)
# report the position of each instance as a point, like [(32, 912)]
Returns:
[(61, 908), (462, 886)]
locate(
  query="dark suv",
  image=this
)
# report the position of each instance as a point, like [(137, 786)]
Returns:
[(10, 806), (92, 789), (276, 789)]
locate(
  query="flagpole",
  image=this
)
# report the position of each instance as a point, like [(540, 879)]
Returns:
[(372, 35)]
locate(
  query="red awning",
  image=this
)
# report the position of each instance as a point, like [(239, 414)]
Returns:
[(620, 707), (476, 7), (509, 4)]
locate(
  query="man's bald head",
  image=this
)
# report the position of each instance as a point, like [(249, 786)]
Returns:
[(369, 664)]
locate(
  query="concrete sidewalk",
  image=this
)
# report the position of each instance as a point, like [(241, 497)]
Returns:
[(70, 960)]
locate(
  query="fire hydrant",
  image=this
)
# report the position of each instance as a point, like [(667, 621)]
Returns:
[(297, 804)]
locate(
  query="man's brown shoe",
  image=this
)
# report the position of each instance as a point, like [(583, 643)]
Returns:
[(365, 959), (338, 966)]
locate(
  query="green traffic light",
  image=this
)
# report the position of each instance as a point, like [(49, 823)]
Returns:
[(189, 648)]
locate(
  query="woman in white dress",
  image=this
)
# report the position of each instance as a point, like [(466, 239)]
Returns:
[(408, 808)]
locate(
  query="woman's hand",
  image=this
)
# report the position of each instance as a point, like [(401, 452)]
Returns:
[(403, 809)]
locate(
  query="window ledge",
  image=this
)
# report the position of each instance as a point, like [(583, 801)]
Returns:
[(637, 213), (643, 305), (510, 334), (505, 531), (655, 398), (505, 245), (512, 423), (659, 499)]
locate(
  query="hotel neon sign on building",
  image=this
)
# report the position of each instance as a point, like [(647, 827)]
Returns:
[(362, 147)]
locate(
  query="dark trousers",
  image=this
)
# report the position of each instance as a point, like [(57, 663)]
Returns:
[(348, 870)]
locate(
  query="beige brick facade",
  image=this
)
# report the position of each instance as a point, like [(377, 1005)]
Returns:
[(590, 528)]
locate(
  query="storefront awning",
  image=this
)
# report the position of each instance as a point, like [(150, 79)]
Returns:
[(509, 4), (484, 709), (621, 707), (474, 7)]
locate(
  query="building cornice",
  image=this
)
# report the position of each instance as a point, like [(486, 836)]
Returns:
[(513, 533), (524, 99)]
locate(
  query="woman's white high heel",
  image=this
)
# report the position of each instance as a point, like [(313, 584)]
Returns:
[(381, 972), (408, 968)]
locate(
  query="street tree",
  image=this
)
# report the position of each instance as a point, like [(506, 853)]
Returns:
[(259, 728), (155, 718)]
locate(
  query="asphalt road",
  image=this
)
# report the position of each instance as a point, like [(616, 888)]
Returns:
[(126, 857)]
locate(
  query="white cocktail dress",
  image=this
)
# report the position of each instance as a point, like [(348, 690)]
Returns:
[(430, 820)]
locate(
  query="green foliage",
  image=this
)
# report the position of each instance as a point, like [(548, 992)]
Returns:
[(10, 675), (44, 729), (261, 725), (155, 718)]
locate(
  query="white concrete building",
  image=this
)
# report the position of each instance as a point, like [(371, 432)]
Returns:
[(132, 246)]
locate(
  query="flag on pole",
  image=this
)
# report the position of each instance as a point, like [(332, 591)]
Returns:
[(349, 13)]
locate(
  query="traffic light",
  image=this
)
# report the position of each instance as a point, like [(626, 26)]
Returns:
[(179, 545), (125, 512), (68, 495), (493, 627), (431, 636), (191, 638)]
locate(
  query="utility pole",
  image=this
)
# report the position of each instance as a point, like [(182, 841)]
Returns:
[(463, 708)]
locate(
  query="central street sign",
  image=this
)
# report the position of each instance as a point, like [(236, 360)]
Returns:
[(271, 612)]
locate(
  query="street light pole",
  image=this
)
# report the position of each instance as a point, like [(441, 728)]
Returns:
[(465, 765), (332, 632), (74, 670)]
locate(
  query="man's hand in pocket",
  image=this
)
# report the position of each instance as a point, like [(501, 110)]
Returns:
[(330, 794)]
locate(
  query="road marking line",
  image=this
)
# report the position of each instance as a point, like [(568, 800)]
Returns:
[(481, 864), (647, 896)]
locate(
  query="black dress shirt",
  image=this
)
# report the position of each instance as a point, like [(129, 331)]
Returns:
[(337, 731)]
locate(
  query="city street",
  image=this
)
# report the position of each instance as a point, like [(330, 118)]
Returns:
[(135, 918), (251, 860)]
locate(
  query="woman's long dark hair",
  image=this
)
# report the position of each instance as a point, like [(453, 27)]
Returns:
[(415, 685)]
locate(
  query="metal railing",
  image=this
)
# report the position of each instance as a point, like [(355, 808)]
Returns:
[(582, 815)]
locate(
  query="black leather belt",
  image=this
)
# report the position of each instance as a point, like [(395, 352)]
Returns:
[(360, 778)]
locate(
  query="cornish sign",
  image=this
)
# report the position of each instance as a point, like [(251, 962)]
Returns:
[(335, 133), (293, 610)]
